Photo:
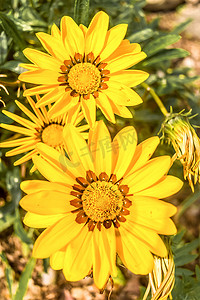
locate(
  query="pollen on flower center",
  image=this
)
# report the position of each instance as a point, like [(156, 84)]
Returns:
[(84, 78), (52, 135), (102, 201)]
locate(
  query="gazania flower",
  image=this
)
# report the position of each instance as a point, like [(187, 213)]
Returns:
[(41, 128), (101, 201), (85, 68), (179, 132)]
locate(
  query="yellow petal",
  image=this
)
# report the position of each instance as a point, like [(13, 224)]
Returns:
[(133, 97), (120, 110), (167, 186), (47, 202), (72, 36), (134, 254), (100, 258), (62, 105), (96, 33), (22, 149), (130, 78), (151, 207), (143, 153), (36, 120), (122, 95), (51, 96), (19, 129), (124, 62), (124, 144), (101, 148), (41, 221), (25, 157), (89, 110), (33, 186), (57, 236), (40, 76), (78, 262), (109, 239), (84, 29), (104, 104), (50, 172), (59, 160), (42, 89), (18, 142), (77, 149), (20, 120), (42, 60), (57, 259), (149, 174), (147, 236), (117, 96), (53, 45), (113, 39), (55, 32), (124, 48), (29, 67)]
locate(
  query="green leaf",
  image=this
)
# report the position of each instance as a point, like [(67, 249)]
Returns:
[(3, 47), (160, 43), (167, 54), (19, 229), (6, 220), (183, 272), (188, 202), (180, 27), (8, 273), (11, 30), (13, 66), (23, 282), (141, 35), (81, 11)]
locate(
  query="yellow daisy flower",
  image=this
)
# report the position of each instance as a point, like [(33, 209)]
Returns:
[(101, 201), (41, 128), (85, 68)]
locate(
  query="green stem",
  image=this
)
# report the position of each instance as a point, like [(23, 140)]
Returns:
[(156, 98), (81, 11)]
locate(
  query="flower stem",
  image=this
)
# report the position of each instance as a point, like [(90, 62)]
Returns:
[(156, 98)]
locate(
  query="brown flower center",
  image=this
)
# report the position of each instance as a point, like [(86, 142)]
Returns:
[(100, 200), (84, 75), (52, 135)]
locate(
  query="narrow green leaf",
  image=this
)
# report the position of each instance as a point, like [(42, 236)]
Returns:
[(19, 229), (160, 43), (23, 282), (81, 11), (141, 35), (180, 27), (8, 273), (167, 55), (11, 30), (6, 220), (184, 259), (188, 202), (3, 47)]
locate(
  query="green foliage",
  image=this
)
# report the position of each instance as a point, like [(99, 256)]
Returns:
[(19, 21)]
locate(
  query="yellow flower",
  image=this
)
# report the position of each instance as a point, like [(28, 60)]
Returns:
[(101, 201), (85, 68), (40, 129), (179, 132)]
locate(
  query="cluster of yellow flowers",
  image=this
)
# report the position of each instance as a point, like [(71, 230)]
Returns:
[(102, 196)]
